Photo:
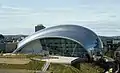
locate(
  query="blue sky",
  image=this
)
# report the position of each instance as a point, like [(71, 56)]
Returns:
[(20, 16)]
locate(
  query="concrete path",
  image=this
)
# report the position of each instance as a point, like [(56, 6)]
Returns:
[(14, 61), (58, 59), (45, 67)]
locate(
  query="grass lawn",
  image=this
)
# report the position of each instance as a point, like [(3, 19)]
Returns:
[(54, 68), (90, 68), (84, 68), (32, 65)]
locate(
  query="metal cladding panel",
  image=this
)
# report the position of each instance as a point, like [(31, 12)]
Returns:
[(86, 37)]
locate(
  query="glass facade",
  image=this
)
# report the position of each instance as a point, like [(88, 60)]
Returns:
[(63, 47), (33, 47)]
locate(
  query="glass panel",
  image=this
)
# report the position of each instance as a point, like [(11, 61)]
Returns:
[(62, 47)]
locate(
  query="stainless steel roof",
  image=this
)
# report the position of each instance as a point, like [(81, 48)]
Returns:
[(84, 36)]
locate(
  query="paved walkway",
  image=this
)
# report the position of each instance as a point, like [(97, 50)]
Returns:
[(14, 61), (45, 67), (58, 59)]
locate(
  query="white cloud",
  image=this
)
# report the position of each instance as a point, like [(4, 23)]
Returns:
[(17, 31), (102, 22), (13, 8), (8, 11)]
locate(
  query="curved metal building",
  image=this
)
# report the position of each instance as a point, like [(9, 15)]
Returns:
[(65, 40)]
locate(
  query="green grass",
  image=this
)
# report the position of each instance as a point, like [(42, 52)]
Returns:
[(84, 68), (90, 68), (37, 65), (62, 68), (54, 68), (32, 65)]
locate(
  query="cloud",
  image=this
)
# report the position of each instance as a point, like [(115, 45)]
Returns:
[(17, 31), (59, 9), (101, 27), (9, 11), (99, 20), (13, 8)]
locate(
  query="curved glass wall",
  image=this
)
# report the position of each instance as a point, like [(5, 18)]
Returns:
[(54, 46), (63, 47)]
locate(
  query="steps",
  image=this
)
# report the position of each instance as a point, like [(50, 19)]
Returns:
[(45, 67)]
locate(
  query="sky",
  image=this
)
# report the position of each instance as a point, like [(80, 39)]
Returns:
[(21, 16)]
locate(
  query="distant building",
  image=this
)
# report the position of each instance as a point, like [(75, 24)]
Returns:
[(1, 36), (8, 43), (116, 41), (39, 27), (2, 43), (14, 38), (10, 47), (2, 47)]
